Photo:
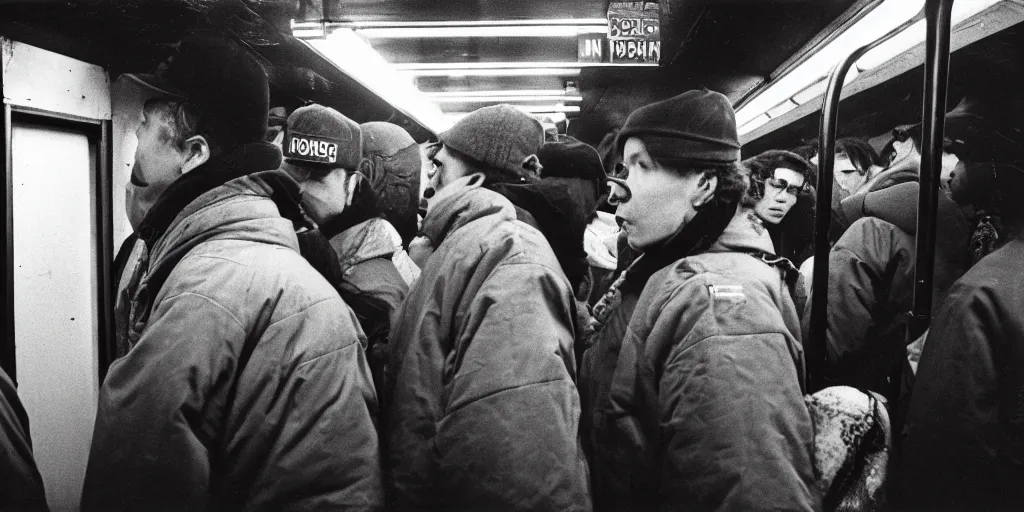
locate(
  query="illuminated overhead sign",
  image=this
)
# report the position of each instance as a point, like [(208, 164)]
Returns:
[(634, 36)]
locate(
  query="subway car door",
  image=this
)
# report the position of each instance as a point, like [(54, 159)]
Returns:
[(57, 114)]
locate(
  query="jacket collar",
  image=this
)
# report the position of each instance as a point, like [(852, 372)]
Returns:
[(235, 163), (459, 204), (694, 238), (227, 211), (745, 233)]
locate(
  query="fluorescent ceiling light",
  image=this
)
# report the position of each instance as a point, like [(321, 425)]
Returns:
[(808, 94), (428, 66), (915, 34), (779, 110), (502, 30), (502, 99), (875, 24), (548, 109), (471, 23), (510, 92), (495, 72), (361, 62), (754, 124)]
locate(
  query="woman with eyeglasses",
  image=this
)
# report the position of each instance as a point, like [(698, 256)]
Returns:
[(692, 387), (781, 196)]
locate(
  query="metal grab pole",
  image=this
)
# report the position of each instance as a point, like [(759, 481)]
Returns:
[(814, 347), (936, 76)]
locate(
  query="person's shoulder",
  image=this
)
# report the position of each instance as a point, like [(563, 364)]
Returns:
[(240, 274)]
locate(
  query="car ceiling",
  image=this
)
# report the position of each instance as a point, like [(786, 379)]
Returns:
[(731, 46)]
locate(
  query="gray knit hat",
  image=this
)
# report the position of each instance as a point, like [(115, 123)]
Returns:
[(501, 137), (320, 135)]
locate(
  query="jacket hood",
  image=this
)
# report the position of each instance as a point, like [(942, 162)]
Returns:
[(561, 218), (459, 204), (744, 233), (375, 238), (235, 211)]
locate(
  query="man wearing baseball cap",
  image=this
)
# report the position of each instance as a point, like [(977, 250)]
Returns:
[(245, 385), (323, 151), (481, 403)]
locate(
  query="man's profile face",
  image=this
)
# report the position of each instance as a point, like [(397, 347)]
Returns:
[(158, 160)]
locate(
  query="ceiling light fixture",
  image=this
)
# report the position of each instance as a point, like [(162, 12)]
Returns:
[(502, 99), (893, 13), (915, 35), (510, 92), (428, 66), (494, 72), (356, 58), (469, 23), (883, 18), (482, 31), (549, 109)]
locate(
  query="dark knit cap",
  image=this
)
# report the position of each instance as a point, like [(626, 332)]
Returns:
[(501, 137), (322, 136), (570, 158), (697, 126), (221, 78)]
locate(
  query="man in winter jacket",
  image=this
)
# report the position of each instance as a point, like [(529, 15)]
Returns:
[(871, 271), (483, 412), (358, 251), (246, 385), (963, 443), (21, 486), (693, 388)]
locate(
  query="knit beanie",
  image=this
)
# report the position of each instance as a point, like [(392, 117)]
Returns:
[(320, 135), (697, 126), (501, 137), (570, 158)]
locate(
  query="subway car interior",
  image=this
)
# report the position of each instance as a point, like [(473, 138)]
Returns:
[(579, 67)]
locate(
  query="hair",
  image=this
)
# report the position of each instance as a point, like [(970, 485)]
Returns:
[(732, 182), (763, 166), (859, 152), (899, 134), (807, 150), (186, 120)]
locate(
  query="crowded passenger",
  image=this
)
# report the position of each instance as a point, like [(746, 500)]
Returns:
[(962, 443), (354, 246), (855, 163), (482, 406), (871, 269), (693, 388), (781, 195), (577, 167), (226, 319), (21, 486)]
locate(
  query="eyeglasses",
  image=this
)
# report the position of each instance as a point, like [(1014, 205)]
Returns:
[(618, 179), (435, 165), (780, 185)]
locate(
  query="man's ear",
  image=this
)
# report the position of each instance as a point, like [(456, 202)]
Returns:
[(354, 181), (706, 188), (197, 152)]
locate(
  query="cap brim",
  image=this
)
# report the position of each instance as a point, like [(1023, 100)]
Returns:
[(157, 85)]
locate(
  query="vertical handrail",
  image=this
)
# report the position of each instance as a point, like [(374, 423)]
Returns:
[(814, 346), (936, 76)]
